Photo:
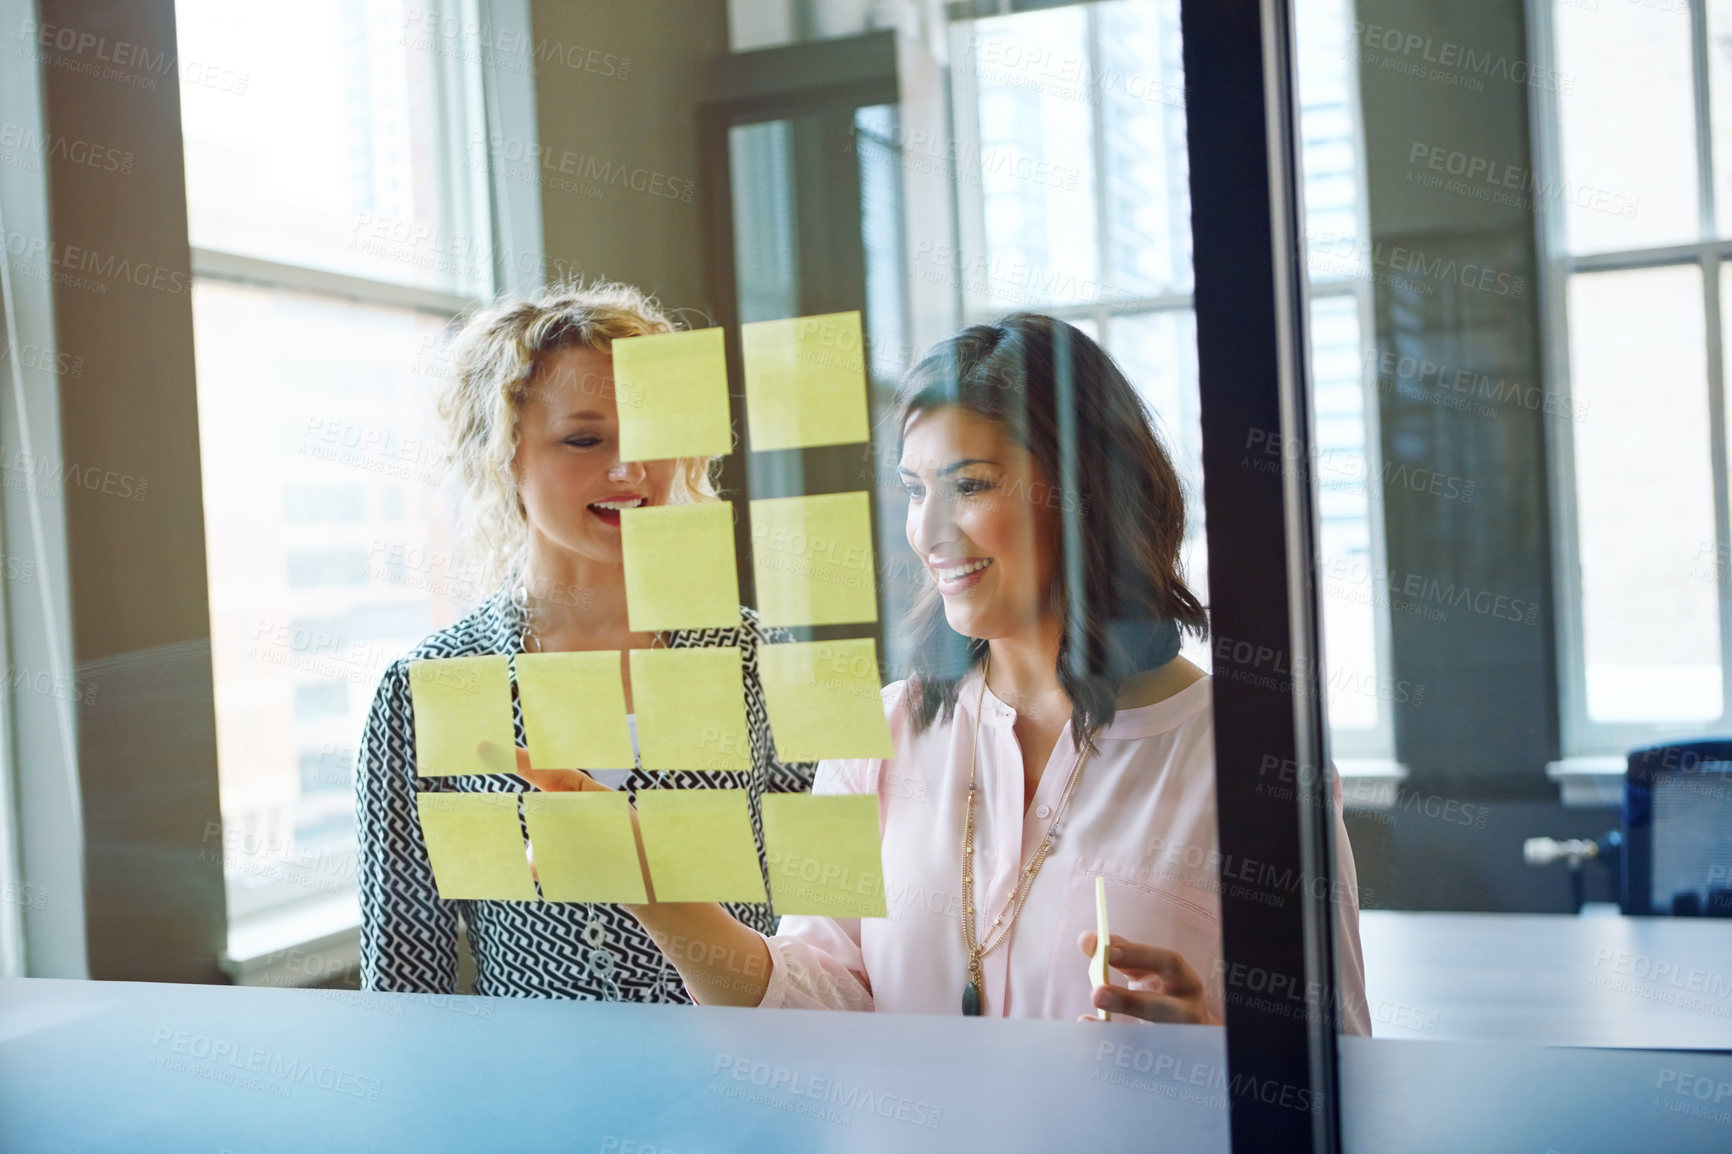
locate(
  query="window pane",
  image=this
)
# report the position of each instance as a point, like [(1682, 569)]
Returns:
[(1628, 121), (1644, 495), (1037, 174), (1354, 592), (1148, 196), (1720, 108), (1329, 160), (326, 147), (326, 556)]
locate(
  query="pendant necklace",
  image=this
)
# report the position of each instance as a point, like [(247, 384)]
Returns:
[(974, 993)]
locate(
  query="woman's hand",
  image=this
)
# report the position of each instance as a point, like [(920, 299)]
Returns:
[(1162, 986), (555, 780)]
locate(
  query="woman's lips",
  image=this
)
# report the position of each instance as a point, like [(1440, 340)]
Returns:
[(608, 511), (960, 574)]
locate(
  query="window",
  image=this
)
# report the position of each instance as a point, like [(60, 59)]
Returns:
[(339, 219), (1633, 192), (1076, 117)]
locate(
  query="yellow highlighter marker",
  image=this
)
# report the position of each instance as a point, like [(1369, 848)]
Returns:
[(1103, 942)]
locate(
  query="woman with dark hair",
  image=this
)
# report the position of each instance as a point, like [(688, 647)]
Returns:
[(1049, 732)]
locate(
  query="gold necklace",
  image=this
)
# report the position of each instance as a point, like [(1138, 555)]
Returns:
[(528, 641), (974, 993)]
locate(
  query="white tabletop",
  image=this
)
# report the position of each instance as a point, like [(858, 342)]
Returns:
[(1551, 978)]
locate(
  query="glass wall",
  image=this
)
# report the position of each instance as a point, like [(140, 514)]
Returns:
[(753, 506)]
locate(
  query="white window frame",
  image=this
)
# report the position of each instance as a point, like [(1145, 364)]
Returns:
[(1591, 770), (289, 938)]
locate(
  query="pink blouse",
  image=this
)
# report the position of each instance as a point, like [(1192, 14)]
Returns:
[(1143, 817)]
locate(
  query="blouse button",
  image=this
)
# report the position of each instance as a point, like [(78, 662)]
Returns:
[(1043, 811)]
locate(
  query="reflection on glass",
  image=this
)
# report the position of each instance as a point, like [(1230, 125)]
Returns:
[(1644, 495), (1627, 117)]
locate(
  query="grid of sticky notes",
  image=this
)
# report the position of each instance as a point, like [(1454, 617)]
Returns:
[(823, 852), (813, 564)]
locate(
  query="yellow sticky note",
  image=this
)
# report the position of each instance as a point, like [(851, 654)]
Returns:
[(462, 708), (812, 557), (823, 698), (574, 710), (823, 854), (584, 848), (699, 846), (691, 709), (673, 395), (679, 567), (805, 381), (476, 846)]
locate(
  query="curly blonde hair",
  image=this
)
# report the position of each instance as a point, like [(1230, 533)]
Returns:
[(495, 356)]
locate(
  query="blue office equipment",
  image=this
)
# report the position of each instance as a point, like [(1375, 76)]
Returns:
[(1678, 829)]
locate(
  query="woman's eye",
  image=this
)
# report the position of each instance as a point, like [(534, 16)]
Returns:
[(971, 486), (915, 492), (583, 442)]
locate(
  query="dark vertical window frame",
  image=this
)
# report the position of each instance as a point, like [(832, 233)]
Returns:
[(1250, 300)]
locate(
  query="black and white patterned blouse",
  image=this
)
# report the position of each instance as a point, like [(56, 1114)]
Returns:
[(521, 949)]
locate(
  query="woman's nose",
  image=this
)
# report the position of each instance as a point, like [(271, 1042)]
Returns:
[(626, 472), (930, 525)]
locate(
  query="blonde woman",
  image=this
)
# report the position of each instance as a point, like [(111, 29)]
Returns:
[(532, 430)]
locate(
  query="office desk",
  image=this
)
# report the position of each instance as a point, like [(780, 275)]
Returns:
[(1557, 979), (139, 1069)]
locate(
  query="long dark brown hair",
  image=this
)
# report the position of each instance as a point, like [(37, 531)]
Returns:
[(1118, 582)]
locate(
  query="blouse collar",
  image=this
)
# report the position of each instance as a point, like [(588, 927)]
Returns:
[(1144, 721)]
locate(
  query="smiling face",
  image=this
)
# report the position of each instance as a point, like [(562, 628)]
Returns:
[(975, 522), (567, 464)]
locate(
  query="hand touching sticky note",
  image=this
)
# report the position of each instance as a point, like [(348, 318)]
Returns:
[(823, 854), (812, 557), (679, 567), (673, 395), (574, 710), (691, 709), (824, 699), (476, 846), (699, 846), (584, 847), (462, 711), (805, 381)]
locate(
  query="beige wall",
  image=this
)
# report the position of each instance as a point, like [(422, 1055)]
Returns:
[(135, 511), (594, 126)]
